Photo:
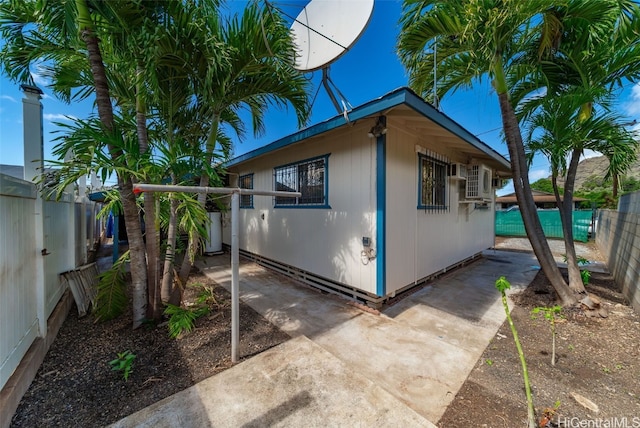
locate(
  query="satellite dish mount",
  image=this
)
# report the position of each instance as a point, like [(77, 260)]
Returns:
[(323, 31)]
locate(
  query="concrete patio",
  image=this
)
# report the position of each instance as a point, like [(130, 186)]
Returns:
[(345, 366)]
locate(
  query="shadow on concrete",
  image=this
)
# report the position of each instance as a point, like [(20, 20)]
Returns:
[(281, 412)]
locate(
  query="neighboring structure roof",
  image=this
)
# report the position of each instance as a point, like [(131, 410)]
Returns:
[(538, 196), (16, 171), (397, 98)]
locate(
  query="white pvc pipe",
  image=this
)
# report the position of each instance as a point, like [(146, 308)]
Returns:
[(219, 190), (235, 232), (235, 276)]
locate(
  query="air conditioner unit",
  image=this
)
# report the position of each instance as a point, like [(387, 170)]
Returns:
[(458, 171), (478, 184)]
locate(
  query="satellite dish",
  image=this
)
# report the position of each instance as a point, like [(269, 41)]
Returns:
[(323, 31)]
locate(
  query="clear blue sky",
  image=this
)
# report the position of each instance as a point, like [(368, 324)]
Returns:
[(367, 71)]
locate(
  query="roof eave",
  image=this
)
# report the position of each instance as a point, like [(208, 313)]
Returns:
[(392, 99)]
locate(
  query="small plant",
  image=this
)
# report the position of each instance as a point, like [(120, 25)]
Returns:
[(182, 319), (579, 259), (548, 414), (124, 363), (503, 285), (571, 347), (489, 361), (550, 315), (606, 369), (206, 296), (585, 275)]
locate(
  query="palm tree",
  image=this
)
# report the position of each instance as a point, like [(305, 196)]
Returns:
[(258, 73), (596, 51), (472, 40), (52, 31), (555, 130)]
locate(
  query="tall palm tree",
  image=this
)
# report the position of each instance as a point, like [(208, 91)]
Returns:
[(64, 34), (471, 40), (259, 73), (555, 130), (595, 52)]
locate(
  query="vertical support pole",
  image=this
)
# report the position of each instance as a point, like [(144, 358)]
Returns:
[(235, 276), (116, 238), (73, 226), (82, 202), (33, 165)]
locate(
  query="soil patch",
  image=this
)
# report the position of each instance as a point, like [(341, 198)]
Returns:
[(75, 385), (597, 358)]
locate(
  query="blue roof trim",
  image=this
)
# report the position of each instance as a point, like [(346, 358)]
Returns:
[(389, 100), (427, 110), (392, 99)]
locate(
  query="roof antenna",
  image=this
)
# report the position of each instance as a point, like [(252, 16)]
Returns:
[(436, 101)]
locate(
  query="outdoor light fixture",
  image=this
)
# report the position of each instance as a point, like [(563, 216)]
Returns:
[(380, 128)]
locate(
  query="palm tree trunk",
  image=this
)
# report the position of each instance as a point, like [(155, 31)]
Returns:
[(525, 200), (566, 215), (192, 247), (152, 232), (167, 291), (105, 112)]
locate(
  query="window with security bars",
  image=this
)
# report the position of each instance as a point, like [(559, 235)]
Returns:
[(246, 182), (307, 177), (432, 190)]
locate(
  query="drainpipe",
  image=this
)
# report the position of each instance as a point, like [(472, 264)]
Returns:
[(33, 147)]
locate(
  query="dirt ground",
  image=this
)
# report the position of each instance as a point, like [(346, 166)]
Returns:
[(598, 358), (75, 386)]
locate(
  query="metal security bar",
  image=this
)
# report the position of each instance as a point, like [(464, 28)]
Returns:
[(307, 177), (433, 184)]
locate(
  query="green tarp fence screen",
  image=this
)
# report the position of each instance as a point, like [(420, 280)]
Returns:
[(509, 223)]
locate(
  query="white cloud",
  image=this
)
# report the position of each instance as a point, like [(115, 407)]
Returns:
[(57, 116), (7, 97), (537, 174), (39, 80), (589, 154), (633, 106)]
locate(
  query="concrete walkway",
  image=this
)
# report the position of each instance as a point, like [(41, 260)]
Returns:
[(344, 366)]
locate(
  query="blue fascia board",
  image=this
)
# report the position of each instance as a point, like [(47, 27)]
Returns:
[(373, 107), (392, 99)]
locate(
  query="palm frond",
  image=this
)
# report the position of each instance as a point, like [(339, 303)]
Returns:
[(111, 299)]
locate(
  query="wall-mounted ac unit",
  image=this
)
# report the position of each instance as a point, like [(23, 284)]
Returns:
[(478, 184), (458, 171)]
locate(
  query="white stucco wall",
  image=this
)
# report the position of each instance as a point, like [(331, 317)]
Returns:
[(327, 242), (419, 242)]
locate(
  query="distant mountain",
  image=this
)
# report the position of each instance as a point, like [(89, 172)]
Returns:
[(598, 166)]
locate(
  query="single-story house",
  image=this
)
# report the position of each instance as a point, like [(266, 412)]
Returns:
[(393, 194), (543, 200)]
